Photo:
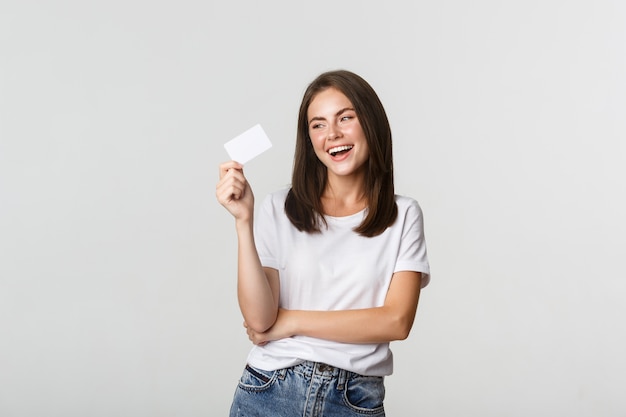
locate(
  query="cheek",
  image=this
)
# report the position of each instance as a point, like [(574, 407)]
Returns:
[(357, 130), (317, 141)]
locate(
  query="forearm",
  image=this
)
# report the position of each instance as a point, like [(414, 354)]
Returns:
[(392, 321), (372, 325), (258, 301)]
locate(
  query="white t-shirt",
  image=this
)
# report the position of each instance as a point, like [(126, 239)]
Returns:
[(336, 269)]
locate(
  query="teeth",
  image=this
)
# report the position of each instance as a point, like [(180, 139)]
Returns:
[(337, 149)]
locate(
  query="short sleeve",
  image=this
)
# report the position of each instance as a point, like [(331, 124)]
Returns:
[(265, 233), (412, 254)]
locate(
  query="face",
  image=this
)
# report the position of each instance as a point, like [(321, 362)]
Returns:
[(336, 134)]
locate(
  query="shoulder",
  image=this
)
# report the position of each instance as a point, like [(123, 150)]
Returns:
[(274, 202), (408, 205), (409, 212), (277, 198)]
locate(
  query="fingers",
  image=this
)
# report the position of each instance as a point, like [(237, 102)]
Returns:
[(227, 166), (254, 337), (231, 172), (232, 184)]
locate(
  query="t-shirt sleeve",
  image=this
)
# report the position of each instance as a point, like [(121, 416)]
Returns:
[(265, 233), (412, 255)]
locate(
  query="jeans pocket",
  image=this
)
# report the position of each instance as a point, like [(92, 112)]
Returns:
[(365, 393), (255, 379)]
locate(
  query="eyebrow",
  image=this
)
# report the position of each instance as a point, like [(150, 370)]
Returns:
[(336, 114)]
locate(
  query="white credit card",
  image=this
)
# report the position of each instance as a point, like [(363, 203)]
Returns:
[(248, 145)]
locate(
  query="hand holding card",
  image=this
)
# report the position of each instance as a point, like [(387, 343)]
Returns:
[(248, 145)]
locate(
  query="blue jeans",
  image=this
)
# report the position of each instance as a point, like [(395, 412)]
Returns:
[(309, 389)]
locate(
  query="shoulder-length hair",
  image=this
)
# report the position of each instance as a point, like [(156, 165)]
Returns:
[(303, 205)]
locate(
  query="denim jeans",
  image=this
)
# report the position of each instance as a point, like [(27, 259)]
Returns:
[(309, 389)]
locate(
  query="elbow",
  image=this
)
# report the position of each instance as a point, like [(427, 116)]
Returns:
[(260, 324), (401, 333), (401, 327)]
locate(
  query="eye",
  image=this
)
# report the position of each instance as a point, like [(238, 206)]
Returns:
[(346, 118)]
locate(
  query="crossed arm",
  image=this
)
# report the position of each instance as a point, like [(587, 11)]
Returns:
[(392, 321), (258, 288)]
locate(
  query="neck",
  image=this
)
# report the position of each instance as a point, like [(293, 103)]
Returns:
[(344, 196)]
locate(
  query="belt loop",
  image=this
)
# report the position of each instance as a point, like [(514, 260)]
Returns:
[(341, 379)]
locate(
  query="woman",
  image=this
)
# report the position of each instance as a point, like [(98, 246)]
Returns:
[(332, 270)]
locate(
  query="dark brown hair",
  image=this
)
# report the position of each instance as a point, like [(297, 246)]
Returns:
[(303, 205)]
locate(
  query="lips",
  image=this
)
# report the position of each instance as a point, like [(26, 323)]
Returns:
[(337, 150)]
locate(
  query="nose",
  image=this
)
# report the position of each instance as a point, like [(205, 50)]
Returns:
[(333, 132)]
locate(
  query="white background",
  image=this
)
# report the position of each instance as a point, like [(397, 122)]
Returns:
[(117, 265)]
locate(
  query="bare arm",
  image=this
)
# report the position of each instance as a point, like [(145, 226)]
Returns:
[(257, 287), (392, 321)]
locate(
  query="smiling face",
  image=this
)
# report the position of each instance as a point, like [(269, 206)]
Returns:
[(336, 134)]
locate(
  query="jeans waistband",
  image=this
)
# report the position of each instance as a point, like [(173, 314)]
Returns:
[(322, 370)]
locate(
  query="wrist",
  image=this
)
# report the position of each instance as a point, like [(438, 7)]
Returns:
[(291, 317), (243, 224)]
